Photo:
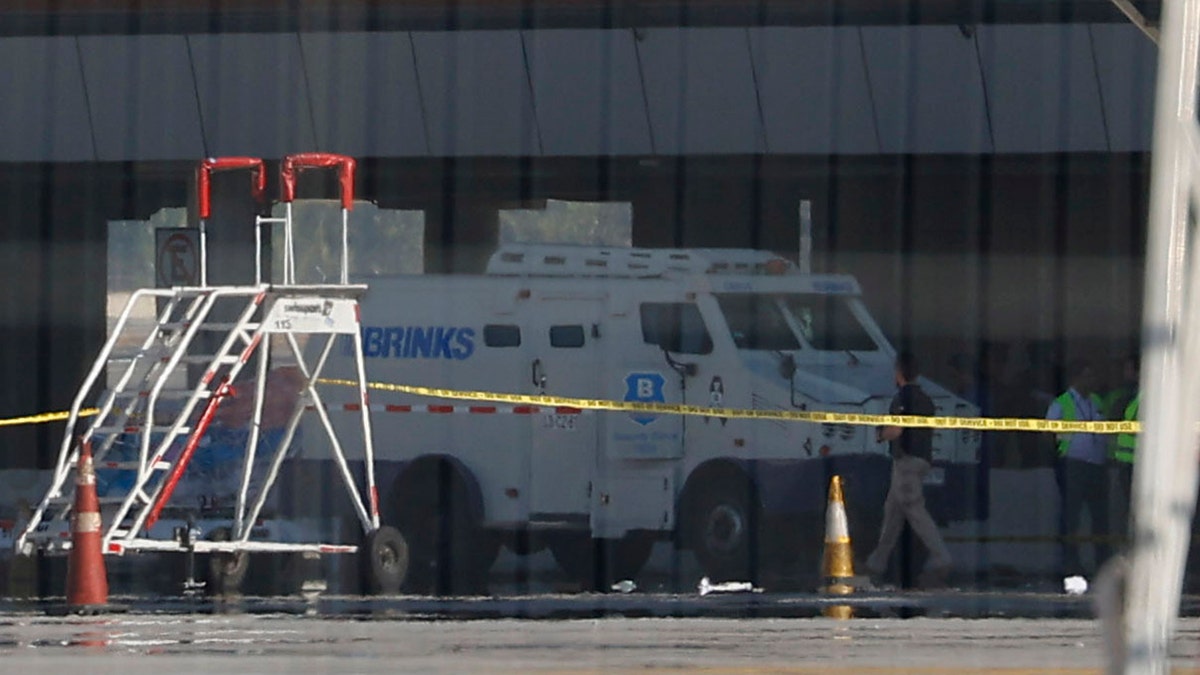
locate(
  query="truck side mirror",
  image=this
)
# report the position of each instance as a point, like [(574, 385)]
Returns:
[(787, 366)]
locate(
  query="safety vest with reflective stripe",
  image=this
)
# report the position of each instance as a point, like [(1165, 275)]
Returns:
[(1127, 443), (1071, 414)]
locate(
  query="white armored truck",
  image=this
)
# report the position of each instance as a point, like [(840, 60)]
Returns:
[(735, 329)]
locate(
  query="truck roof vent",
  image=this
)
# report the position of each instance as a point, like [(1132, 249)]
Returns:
[(605, 261)]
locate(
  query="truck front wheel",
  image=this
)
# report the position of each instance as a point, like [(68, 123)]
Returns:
[(722, 529)]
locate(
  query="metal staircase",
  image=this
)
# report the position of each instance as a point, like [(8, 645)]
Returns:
[(142, 409), (168, 376)]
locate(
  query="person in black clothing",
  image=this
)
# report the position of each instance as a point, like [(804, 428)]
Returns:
[(911, 450)]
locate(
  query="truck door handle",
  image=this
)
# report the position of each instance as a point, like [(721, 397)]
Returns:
[(538, 375)]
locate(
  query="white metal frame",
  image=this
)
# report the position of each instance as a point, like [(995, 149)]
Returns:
[(290, 169), (139, 407), (132, 407), (1164, 489)]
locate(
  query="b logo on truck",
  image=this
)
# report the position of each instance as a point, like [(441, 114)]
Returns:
[(644, 388)]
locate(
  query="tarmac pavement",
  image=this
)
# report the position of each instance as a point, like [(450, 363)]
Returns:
[(580, 634), (154, 643)]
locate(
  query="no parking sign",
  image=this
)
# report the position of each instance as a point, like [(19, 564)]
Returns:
[(177, 256)]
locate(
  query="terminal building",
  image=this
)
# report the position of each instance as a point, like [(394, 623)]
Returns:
[(981, 167)]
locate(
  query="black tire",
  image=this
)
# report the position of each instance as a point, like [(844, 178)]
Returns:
[(384, 561), (599, 563), (225, 571), (723, 530), (450, 554)]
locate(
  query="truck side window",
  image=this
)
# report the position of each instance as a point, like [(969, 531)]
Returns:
[(497, 335), (675, 326), (566, 336)]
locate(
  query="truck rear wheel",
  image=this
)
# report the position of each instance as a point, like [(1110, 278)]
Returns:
[(599, 563), (450, 553)]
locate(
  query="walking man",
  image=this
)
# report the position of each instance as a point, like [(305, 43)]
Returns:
[(1082, 467), (911, 450)]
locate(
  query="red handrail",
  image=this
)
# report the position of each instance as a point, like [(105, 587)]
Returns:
[(292, 165), (189, 449), (206, 168)]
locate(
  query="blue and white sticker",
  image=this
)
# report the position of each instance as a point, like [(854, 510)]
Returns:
[(644, 388)]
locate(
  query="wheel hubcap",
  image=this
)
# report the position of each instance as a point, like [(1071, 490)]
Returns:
[(724, 530), (387, 557)]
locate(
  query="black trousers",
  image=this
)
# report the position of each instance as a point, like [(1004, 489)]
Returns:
[(1082, 485)]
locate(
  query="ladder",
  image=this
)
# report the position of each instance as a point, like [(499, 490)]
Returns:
[(142, 407), (170, 374)]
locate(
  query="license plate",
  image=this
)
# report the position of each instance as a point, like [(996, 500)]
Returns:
[(559, 422), (936, 477)]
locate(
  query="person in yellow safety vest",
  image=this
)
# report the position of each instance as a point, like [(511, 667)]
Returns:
[(1123, 457), (1126, 444), (1082, 467), (1123, 404)]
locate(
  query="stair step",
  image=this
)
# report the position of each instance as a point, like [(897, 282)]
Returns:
[(70, 499), (209, 358), (163, 394), (190, 358), (126, 465), (138, 428), (209, 326), (129, 356)]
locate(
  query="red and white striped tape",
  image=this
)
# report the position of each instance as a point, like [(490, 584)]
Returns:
[(461, 409)]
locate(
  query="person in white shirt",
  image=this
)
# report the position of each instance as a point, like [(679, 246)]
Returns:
[(1082, 468)]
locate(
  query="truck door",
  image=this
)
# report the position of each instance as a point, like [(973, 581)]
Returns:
[(565, 360), (642, 373), (637, 480)]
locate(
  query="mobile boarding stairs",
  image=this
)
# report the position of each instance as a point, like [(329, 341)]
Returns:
[(165, 393)]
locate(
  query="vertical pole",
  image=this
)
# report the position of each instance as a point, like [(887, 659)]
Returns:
[(289, 260), (260, 397), (804, 259), (345, 246), (203, 254), (364, 401), (258, 250), (1164, 488)]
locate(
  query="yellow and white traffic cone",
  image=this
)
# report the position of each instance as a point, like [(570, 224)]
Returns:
[(837, 566)]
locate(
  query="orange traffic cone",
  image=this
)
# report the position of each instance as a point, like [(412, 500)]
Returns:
[(87, 580), (838, 564)]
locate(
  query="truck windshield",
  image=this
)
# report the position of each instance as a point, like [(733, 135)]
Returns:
[(757, 321), (827, 322), (780, 321)]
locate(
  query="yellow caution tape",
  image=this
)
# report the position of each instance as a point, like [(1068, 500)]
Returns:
[(822, 417), (45, 417), (861, 419)]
